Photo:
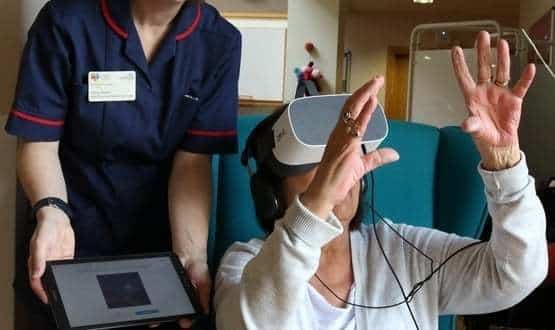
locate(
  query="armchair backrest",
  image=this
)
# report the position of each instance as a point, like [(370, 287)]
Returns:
[(235, 215)]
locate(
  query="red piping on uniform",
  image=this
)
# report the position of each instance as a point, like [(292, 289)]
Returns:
[(183, 35), (110, 21), (211, 133), (122, 33), (37, 120)]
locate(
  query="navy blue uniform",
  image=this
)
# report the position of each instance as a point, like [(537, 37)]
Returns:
[(116, 157)]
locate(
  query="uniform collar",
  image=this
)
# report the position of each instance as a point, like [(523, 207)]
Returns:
[(117, 15)]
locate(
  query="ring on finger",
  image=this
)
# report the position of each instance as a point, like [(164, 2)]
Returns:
[(484, 81), (502, 83), (353, 130), (347, 118)]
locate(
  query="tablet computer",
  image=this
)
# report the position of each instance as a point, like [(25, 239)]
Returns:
[(112, 292)]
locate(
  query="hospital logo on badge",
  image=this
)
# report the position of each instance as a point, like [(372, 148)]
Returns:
[(95, 76)]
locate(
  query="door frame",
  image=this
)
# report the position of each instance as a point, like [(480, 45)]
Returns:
[(391, 72)]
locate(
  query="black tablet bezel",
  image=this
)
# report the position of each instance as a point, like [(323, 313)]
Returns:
[(59, 311)]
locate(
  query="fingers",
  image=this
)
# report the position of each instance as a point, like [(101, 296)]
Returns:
[(503, 62), (522, 86), (484, 57), (37, 265), (379, 158), (362, 95), (203, 287), (38, 289), (360, 107), (462, 73), (364, 117), (200, 278), (185, 323), (375, 85), (471, 125)]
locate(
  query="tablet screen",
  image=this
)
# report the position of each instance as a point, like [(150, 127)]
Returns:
[(96, 293)]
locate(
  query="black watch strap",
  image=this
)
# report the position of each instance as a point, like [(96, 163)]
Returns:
[(52, 202)]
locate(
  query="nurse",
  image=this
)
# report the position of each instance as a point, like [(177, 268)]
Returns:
[(118, 107)]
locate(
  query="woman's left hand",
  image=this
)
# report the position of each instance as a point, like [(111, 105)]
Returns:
[(494, 109)]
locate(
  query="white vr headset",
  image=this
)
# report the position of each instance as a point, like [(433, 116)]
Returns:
[(298, 137)]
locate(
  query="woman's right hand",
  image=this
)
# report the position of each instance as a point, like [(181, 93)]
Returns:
[(343, 163), (53, 239)]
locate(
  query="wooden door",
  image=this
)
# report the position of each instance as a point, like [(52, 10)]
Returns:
[(396, 83)]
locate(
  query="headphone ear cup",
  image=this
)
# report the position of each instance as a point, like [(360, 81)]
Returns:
[(267, 203)]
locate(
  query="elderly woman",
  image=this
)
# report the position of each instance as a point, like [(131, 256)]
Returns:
[(312, 272)]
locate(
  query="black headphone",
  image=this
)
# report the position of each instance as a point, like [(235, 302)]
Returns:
[(267, 197), (266, 192)]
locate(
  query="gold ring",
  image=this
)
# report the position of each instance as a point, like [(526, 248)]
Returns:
[(501, 83), (347, 118), (353, 130), (487, 81)]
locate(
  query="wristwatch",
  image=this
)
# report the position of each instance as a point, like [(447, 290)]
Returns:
[(52, 202)]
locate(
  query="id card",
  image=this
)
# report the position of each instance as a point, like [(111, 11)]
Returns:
[(112, 86)]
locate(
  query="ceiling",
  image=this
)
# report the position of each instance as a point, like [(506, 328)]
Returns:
[(439, 6)]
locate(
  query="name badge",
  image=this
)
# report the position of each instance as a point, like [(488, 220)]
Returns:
[(112, 86)]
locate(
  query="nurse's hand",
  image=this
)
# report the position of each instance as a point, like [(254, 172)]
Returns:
[(200, 278), (53, 239), (494, 110)]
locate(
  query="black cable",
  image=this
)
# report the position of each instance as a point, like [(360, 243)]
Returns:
[(346, 302), (447, 259), (404, 239), (407, 298), (378, 240)]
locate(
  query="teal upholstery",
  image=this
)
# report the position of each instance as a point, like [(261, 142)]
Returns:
[(435, 184), (411, 179), (458, 181), (236, 219), (213, 212)]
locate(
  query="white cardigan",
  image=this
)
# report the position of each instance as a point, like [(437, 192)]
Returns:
[(263, 285)]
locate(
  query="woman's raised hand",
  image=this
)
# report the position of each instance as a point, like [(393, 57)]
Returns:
[(494, 109), (343, 163)]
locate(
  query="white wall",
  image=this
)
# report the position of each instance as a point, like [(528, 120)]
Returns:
[(323, 30), (369, 34)]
